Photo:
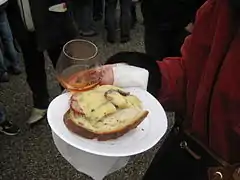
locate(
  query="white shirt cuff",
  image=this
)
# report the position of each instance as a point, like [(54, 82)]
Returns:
[(130, 76)]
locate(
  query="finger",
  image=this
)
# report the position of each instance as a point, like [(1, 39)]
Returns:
[(107, 75)]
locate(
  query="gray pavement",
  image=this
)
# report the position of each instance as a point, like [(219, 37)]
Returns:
[(32, 155)]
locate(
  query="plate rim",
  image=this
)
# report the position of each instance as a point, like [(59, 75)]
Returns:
[(96, 152)]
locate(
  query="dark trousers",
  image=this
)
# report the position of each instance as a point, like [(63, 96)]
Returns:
[(33, 59), (125, 17), (83, 14), (12, 58), (133, 14), (174, 163), (165, 23), (164, 43), (98, 9)]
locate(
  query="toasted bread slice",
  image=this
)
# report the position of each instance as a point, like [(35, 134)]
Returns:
[(106, 112), (110, 127)]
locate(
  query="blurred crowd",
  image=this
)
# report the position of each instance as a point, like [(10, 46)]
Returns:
[(86, 13), (28, 28)]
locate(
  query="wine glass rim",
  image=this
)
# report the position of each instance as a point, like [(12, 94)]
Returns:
[(81, 59)]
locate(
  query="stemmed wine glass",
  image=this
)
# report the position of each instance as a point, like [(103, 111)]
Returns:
[(78, 67)]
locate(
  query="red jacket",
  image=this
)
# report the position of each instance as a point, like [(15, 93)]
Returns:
[(204, 84)]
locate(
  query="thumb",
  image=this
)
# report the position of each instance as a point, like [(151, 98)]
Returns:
[(107, 75)]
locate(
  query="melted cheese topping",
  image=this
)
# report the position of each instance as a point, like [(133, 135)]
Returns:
[(96, 106), (92, 103)]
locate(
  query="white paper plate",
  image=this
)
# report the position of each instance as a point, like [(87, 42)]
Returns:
[(145, 136)]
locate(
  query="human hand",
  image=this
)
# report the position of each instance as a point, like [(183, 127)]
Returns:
[(107, 75), (189, 27)]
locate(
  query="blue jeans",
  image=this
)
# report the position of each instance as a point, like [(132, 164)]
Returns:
[(125, 17), (8, 45), (2, 114)]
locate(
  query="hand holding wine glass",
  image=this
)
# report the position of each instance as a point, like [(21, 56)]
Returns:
[(78, 67)]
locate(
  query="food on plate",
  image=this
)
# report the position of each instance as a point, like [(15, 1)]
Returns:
[(106, 112)]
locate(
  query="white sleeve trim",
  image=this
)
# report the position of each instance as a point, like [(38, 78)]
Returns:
[(26, 14), (2, 2), (130, 76)]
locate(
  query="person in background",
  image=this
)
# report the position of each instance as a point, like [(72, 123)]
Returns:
[(202, 87), (125, 20), (10, 64), (98, 8), (37, 28), (133, 14), (83, 15), (164, 23)]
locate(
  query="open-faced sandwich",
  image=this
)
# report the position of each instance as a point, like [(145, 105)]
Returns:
[(106, 112)]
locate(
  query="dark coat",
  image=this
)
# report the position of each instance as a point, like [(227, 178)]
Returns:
[(170, 14), (3, 6), (51, 28)]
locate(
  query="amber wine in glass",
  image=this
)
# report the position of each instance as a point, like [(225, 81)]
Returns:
[(78, 67)]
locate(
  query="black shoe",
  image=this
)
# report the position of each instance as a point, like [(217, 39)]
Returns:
[(111, 39), (97, 18), (16, 70), (4, 77), (9, 129), (125, 39)]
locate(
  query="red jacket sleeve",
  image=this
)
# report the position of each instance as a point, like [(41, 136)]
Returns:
[(172, 94)]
